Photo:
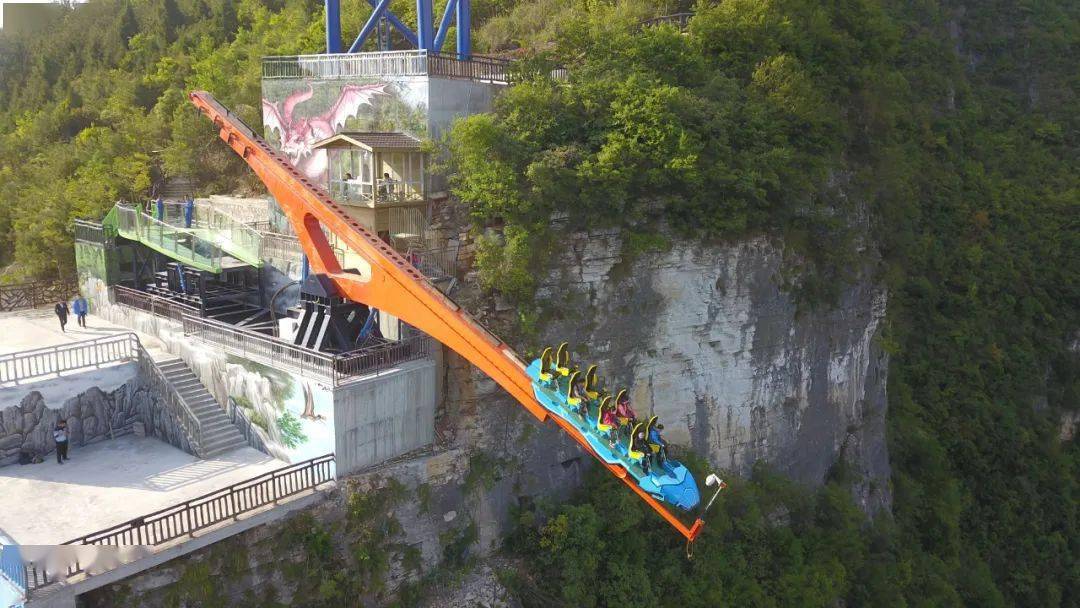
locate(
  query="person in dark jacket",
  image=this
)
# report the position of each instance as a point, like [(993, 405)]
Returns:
[(60, 436), (61, 310), (80, 309)]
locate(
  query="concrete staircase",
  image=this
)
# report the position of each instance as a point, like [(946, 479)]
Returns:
[(219, 433)]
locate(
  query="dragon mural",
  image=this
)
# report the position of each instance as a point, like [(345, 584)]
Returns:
[(298, 133)]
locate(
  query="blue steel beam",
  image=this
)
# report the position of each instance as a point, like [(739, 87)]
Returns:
[(370, 26), (424, 25), (464, 30), (401, 27), (444, 24), (333, 26)]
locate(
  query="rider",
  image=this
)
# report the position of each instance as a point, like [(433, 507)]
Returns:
[(657, 440), (638, 443), (577, 391), (623, 412)]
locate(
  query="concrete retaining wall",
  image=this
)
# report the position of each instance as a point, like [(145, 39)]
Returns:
[(385, 416)]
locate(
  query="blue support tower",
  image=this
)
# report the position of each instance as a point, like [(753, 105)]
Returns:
[(333, 26), (426, 37)]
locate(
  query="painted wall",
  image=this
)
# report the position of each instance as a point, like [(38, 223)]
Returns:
[(299, 112), (296, 414), (385, 416)]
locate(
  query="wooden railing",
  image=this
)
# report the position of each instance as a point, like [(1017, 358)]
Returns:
[(188, 517), (37, 293), (156, 305), (39, 362)]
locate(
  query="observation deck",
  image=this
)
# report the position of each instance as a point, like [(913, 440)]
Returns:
[(350, 66)]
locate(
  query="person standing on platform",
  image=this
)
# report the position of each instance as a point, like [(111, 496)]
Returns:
[(61, 310), (80, 308), (60, 436)]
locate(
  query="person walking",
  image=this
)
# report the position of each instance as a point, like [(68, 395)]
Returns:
[(80, 308), (61, 310), (60, 436)]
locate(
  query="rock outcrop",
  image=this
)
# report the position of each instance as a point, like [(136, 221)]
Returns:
[(707, 338), (92, 416)]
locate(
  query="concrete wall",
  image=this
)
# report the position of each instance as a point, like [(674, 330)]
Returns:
[(384, 416)]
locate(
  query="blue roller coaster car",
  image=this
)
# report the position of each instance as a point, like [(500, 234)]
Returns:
[(552, 380)]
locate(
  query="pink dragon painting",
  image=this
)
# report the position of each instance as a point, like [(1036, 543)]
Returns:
[(297, 133)]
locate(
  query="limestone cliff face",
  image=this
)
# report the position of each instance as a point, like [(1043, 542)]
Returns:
[(705, 337)]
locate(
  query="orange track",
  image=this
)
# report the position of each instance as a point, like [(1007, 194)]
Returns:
[(394, 286)]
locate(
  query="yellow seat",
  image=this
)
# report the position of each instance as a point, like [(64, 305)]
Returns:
[(545, 366), (570, 398), (630, 451), (604, 405), (562, 360), (592, 391)]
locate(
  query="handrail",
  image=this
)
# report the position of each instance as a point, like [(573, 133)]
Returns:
[(45, 361), (155, 305), (388, 63), (190, 516), (12, 567), (133, 224), (16, 296), (38, 362), (332, 368), (88, 231), (217, 227), (174, 402)]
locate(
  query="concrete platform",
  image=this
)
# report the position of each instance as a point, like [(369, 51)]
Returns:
[(37, 328), (110, 482)]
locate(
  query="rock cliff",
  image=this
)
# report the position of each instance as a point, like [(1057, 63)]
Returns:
[(706, 338)]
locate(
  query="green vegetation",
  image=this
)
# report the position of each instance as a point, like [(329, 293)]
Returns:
[(936, 142), (828, 123)]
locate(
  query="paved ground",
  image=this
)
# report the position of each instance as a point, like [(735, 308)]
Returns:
[(111, 482), (38, 328)]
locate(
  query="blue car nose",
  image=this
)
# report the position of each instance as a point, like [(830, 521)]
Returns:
[(683, 495)]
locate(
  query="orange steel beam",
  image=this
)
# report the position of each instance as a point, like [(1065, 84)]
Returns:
[(394, 284)]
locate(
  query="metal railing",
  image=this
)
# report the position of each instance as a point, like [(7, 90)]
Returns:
[(216, 226), (178, 243), (87, 231), (436, 264), (13, 568), (33, 294), (174, 402), (283, 247), (347, 65), (388, 63), (156, 305), (381, 356), (29, 364), (478, 69), (240, 419), (188, 517), (331, 368), (679, 20)]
